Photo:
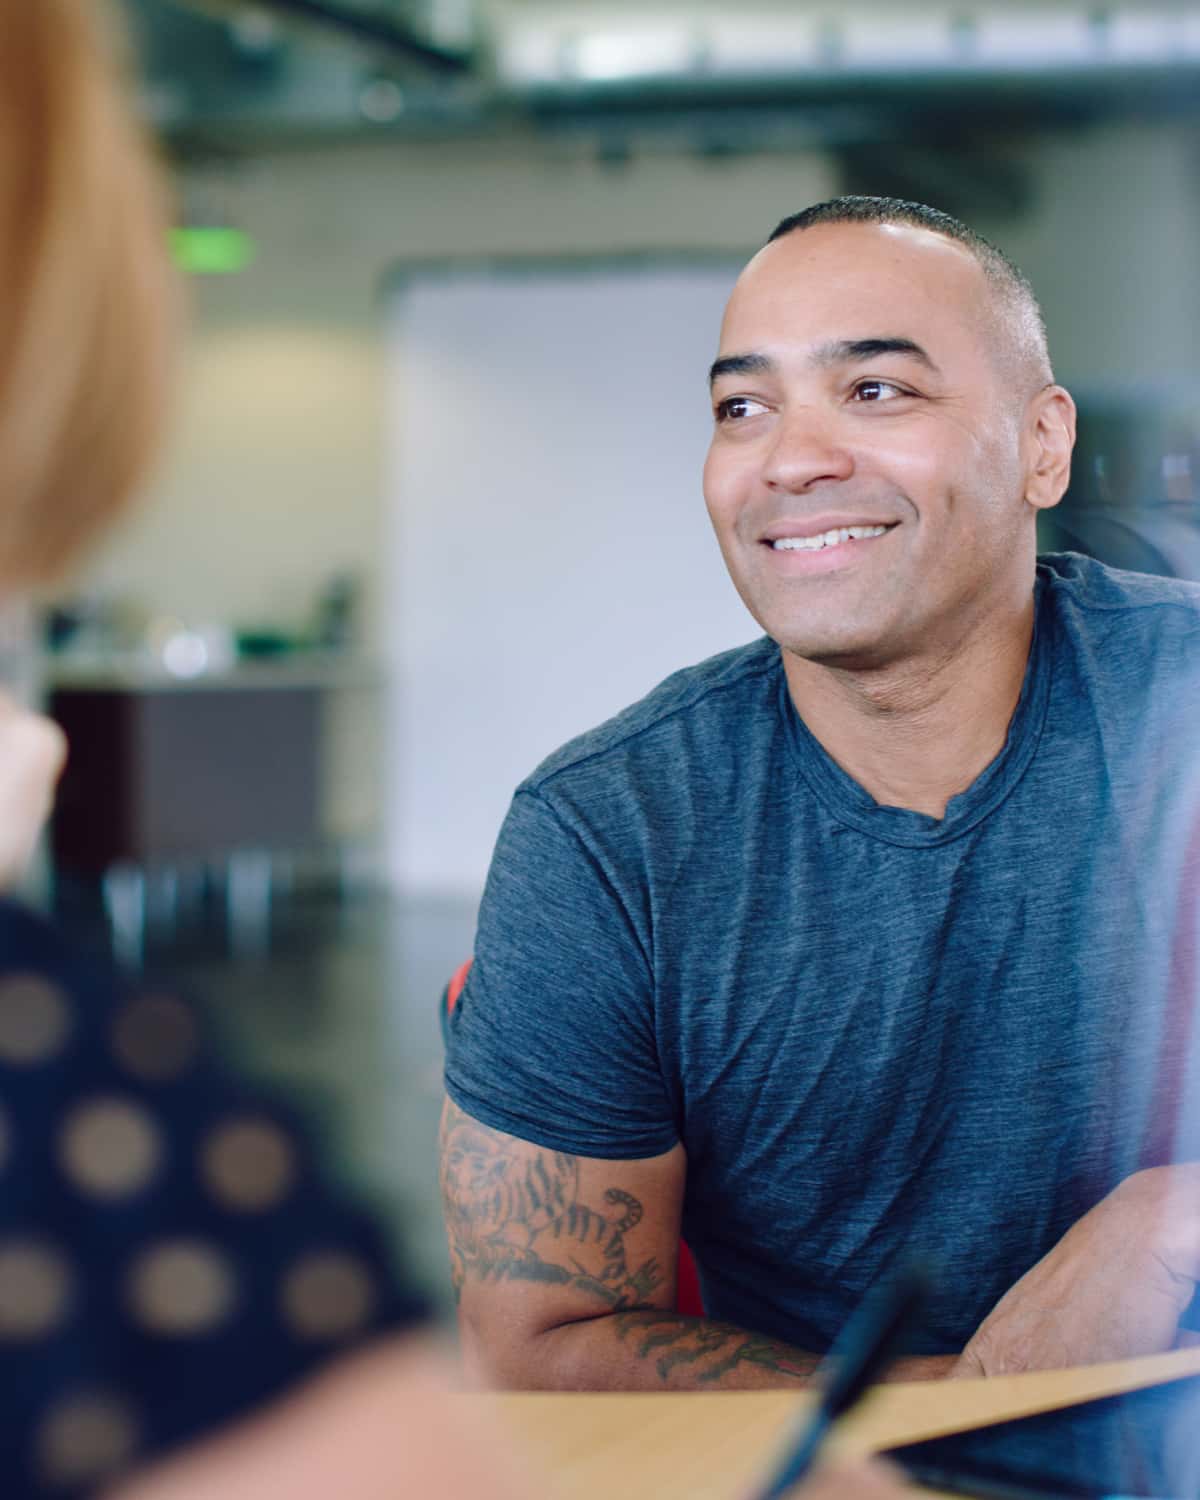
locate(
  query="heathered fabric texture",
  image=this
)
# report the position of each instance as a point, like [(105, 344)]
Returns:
[(873, 1031)]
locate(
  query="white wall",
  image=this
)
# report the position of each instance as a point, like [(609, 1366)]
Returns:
[(276, 475), (1113, 248), (551, 557)]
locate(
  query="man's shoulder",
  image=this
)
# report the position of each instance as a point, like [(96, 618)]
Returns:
[(1099, 592), (707, 697), (1132, 640)]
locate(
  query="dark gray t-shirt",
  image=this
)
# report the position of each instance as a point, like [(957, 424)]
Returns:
[(873, 1031)]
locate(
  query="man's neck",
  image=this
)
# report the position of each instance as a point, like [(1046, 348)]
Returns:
[(916, 733)]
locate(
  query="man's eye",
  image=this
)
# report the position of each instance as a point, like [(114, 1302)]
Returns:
[(737, 408), (878, 390)]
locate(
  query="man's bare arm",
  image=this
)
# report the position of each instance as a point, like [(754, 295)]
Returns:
[(1115, 1286), (564, 1271)]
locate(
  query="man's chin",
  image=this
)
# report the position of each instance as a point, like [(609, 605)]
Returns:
[(847, 649), (837, 621)]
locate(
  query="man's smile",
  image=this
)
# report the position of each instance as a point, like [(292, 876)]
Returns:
[(821, 545)]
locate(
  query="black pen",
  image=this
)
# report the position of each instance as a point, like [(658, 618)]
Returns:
[(863, 1349)]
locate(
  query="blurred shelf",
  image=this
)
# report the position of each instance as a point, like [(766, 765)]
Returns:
[(320, 670)]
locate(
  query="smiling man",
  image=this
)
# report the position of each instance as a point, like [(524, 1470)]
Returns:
[(874, 938)]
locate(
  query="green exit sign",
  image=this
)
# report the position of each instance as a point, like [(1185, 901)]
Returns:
[(212, 252)]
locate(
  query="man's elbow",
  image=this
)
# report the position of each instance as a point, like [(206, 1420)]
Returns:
[(497, 1350), (502, 1353)]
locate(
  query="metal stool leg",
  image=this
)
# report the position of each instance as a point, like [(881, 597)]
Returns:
[(166, 915), (248, 903), (125, 903)]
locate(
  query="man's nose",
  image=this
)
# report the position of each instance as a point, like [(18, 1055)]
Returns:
[(806, 449)]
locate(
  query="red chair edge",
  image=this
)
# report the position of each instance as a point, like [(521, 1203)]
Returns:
[(455, 988), (688, 1299)]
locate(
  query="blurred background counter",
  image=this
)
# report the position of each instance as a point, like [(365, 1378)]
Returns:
[(187, 781)]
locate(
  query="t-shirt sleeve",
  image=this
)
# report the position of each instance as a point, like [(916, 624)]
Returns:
[(553, 1038)]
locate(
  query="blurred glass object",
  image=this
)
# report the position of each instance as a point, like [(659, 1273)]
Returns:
[(183, 650), (18, 656), (255, 29), (338, 615), (1134, 500), (381, 100), (95, 628)]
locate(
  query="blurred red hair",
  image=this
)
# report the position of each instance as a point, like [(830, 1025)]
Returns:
[(87, 294)]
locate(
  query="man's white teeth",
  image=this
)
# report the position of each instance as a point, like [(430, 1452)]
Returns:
[(826, 538)]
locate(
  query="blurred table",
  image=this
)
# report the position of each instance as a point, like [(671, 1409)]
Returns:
[(713, 1446), (167, 773)]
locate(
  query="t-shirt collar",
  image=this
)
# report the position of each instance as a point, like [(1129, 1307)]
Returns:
[(851, 805)]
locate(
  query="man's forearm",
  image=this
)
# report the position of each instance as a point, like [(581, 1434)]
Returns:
[(540, 1239), (651, 1350)]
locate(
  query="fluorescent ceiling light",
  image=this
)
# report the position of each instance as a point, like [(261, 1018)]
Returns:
[(607, 56)]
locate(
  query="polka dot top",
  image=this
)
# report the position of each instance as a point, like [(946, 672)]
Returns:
[(170, 1253)]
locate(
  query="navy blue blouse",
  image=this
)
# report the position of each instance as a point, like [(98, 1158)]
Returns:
[(171, 1255)]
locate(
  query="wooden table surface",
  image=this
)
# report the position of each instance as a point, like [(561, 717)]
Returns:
[(712, 1446)]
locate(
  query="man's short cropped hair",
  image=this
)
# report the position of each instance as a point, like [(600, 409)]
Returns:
[(1020, 311)]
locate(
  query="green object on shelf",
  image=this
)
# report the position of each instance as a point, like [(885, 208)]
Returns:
[(260, 643), (212, 251)]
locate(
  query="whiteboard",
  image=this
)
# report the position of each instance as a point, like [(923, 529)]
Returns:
[(549, 559)]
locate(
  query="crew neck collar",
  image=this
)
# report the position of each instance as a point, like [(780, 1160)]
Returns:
[(854, 807)]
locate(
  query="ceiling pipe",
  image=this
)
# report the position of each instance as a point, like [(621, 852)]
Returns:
[(373, 30)]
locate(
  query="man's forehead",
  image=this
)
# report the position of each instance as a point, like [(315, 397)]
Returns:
[(841, 280), (902, 248)]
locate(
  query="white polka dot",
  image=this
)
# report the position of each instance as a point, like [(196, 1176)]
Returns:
[(86, 1439), (249, 1164), (156, 1037), (35, 1285), (181, 1287), (35, 1019), (328, 1296), (110, 1148)]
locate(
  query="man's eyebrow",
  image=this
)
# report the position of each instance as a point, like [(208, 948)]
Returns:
[(740, 364), (850, 351), (836, 352)]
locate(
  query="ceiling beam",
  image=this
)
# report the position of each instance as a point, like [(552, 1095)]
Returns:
[(374, 30)]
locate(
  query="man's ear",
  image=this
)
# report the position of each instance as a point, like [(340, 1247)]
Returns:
[(1051, 430)]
